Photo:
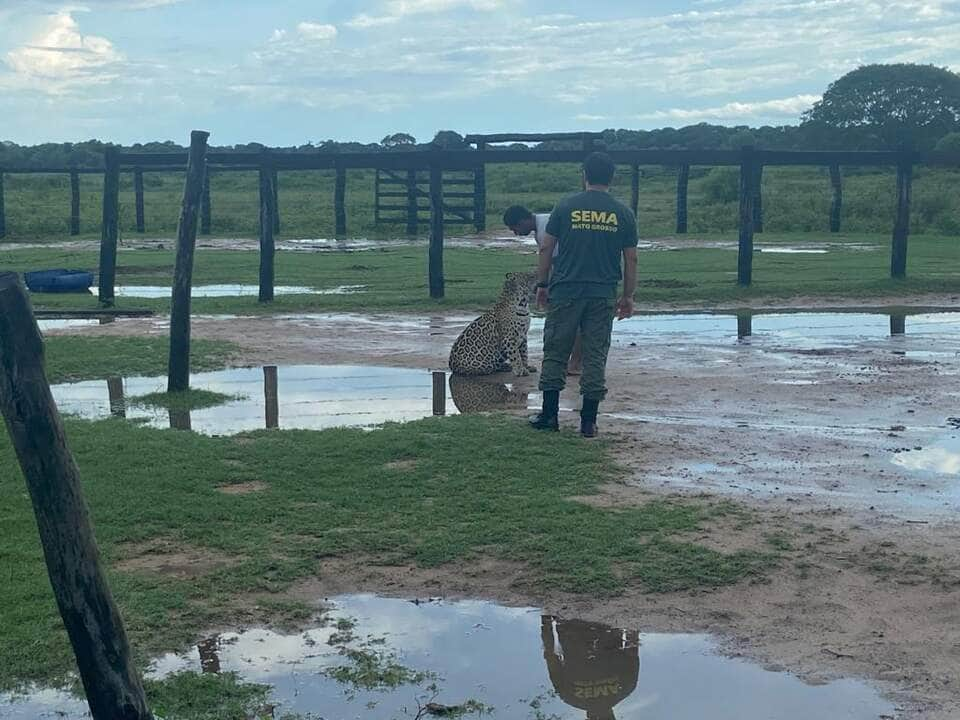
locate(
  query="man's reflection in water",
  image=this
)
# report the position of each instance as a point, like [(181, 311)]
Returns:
[(593, 667)]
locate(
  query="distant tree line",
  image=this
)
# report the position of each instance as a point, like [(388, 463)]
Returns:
[(874, 107)]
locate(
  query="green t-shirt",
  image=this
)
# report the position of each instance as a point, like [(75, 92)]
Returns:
[(592, 229)]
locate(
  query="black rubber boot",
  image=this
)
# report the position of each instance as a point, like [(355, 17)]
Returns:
[(588, 418), (547, 418)]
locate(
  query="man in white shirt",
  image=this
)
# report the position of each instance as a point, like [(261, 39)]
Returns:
[(522, 222)]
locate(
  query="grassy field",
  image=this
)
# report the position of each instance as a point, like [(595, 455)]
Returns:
[(795, 200), (395, 279), (398, 495)]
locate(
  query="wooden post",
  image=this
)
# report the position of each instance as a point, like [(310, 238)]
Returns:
[(836, 205), (412, 202), (266, 229), (90, 616), (138, 197), (340, 201), (436, 229), (480, 191), (275, 183), (901, 228), (178, 378), (3, 211), (898, 324), (118, 406), (635, 189), (205, 214), (270, 397), (744, 325), (683, 184), (439, 392), (758, 200), (74, 202), (110, 229), (747, 176)]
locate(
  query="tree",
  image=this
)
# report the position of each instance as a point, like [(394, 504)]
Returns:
[(901, 106), (398, 140), (949, 143), (448, 140)]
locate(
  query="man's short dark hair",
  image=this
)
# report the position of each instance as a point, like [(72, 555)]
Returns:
[(598, 169), (514, 214)]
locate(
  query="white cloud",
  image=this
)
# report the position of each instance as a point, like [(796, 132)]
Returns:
[(363, 21), (395, 10), (316, 31), (786, 108), (60, 57)]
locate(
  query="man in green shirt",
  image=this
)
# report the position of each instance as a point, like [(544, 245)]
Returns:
[(592, 231)]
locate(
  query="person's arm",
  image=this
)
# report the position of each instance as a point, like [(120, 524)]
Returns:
[(625, 304), (544, 263)]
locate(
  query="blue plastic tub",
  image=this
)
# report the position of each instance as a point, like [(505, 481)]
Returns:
[(58, 281)]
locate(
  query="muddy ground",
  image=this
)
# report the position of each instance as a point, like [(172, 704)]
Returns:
[(812, 435)]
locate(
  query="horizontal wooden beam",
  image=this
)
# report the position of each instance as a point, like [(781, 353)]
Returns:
[(532, 137)]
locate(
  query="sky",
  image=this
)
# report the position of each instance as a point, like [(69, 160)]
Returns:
[(290, 72)]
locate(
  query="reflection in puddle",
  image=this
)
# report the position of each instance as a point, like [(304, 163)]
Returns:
[(208, 291), (479, 394), (941, 457), (307, 397), (517, 661)]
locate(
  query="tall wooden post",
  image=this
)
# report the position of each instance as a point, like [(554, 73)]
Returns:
[(436, 229), (3, 210), (74, 202), (412, 202), (110, 229), (439, 392), (836, 205), (901, 228), (635, 189), (745, 257), (275, 184), (270, 397), (683, 184), (138, 197), (178, 378), (205, 213), (90, 616), (758, 199), (179, 418), (340, 201), (480, 190), (267, 247)]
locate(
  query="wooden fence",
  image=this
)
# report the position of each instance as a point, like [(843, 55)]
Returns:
[(436, 162)]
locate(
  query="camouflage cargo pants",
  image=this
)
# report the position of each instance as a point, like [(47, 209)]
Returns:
[(593, 317)]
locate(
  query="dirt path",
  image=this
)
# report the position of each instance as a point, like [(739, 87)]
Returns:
[(840, 442)]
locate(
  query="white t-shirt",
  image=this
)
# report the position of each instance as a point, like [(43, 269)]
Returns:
[(541, 230)]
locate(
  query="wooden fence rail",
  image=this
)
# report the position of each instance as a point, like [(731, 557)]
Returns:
[(436, 161)]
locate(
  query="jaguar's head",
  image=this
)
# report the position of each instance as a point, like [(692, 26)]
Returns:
[(519, 287)]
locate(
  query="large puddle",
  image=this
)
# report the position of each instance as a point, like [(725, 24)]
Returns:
[(305, 397), (502, 662)]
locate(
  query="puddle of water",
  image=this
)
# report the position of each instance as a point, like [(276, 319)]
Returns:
[(774, 250), (517, 661), (63, 323), (229, 290), (306, 397), (941, 457)]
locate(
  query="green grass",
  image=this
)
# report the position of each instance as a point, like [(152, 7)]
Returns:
[(396, 279), (795, 200), (338, 493), (70, 358), (184, 401)]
